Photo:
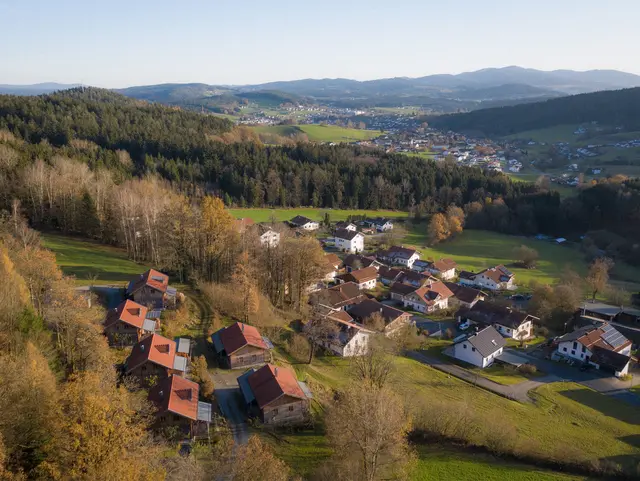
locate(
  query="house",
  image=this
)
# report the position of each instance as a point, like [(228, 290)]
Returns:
[(356, 261), (240, 345), (338, 297), (304, 223), (266, 235), (493, 278), (398, 291), (152, 290), (444, 269), (351, 338), (241, 225), (127, 323), (393, 318), (415, 279), (349, 241), (398, 255), (275, 395), (380, 224), (429, 298), (601, 346), (346, 226), (389, 275), (465, 296), (333, 267), (176, 401), (154, 358), (480, 348), (508, 322), (366, 278)]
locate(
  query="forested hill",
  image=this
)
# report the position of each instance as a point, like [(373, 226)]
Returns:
[(616, 108)]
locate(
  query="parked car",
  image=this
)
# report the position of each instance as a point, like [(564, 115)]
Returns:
[(464, 325)]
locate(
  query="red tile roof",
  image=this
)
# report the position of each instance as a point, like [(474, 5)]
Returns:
[(152, 278), (128, 312), (243, 223), (270, 383), (154, 348), (239, 335), (432, 292), (177, 395), (332, 260), (444, 265)]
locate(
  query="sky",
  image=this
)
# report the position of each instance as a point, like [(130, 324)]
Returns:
[(117, 43)]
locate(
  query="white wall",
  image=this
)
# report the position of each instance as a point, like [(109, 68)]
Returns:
[(352, 246), (466, 352), (368, 285), (311, 226), (357, 346), (514, 333), (567, 349)]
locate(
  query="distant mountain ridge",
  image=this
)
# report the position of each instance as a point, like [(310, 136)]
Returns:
[(35, 89)]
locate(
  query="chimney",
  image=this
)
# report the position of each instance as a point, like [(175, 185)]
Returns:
[(242, 326), (161, 394), (276, 372), (142, 347)]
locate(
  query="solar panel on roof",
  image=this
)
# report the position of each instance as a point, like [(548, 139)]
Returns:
[(612, 336), (267, 342)]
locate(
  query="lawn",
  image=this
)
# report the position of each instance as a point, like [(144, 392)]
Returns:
[(498, 373), (84, 258), (558, 133), (264, 215), (475, 250), (320, 133)]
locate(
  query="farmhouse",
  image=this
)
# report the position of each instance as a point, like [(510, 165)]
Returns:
[(398, 255), (275, 395), (333, 267), (365, 278), (338, 297), (393, 318), (349, 241), (346, 226), (127, 324), (154, 357), (480, 348), (429, 298), (465, 296), (266, 235), (380, 224), (494, 278), (601, 346), (241, 345), (151, 289), (350, 338), (304, 223), (177, 405), (356, 261), (444, 269), (508, 322)]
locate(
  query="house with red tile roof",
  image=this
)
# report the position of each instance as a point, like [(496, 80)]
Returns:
[(366, 278), (177, 405), (274, 394), (241, 345), (155, 357), (444, 269), (493, 278), (151, 289), (127, 323), (431, 297)]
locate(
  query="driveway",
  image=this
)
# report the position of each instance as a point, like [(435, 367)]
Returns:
[(231, 404)]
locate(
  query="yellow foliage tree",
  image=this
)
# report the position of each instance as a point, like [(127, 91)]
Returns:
[(438, 229)]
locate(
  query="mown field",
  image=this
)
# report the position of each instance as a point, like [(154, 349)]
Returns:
[(84, 259), (265, 215), (319, 133), (562, 414)]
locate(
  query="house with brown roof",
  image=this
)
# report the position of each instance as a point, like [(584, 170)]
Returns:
[(334, 264), (154, 357), (465, 296), (349, 241), (366, 278), (151, 289), (177, 404), (399, 256), (338, 297), (242, 224), (601, 346), (507, 321), (415, 279), (493, 278), (444, 269), (127, 323), (240, 345), (353, 262), (393, 318), (274, 394), (428, 298)]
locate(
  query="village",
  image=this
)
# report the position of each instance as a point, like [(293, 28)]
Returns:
[(478, 320)]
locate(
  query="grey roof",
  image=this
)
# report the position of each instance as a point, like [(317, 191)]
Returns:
[(267, 342), (346, 234), (204, 412), (217, 342), (180, 363), (484, 312), (154, 314), (300, 220), (609, 358), (487, 341), (183, 345), (149, 325), (602, 309), (171, 291), (245, 389), (512, 358), (305, 389), (577, 334)]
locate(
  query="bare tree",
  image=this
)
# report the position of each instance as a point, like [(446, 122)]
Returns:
[(598, 275), (374, 365)]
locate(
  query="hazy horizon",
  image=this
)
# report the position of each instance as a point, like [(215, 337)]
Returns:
[(122, 44)]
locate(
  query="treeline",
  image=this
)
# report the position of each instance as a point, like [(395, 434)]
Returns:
[(614, 108)]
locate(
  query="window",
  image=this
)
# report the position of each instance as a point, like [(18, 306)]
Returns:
[(564, 349), (290, 408), (581, 356), (176, 417), (464, 346), (573, 353), (575, 345), (143, 368), (240, 359), (275, 412), (254, 357), (584, 349), (473, 349)]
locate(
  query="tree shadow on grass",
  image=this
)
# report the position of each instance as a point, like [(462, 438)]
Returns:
[(606, 405), (632, 439)]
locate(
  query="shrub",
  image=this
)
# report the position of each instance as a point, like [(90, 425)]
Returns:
[(542, 331), (298, 347), (528, 369), (626, 377)]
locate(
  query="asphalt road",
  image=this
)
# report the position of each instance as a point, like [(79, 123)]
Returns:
[(231, 404)]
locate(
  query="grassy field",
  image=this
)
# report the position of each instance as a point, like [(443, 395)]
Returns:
[(320, 133), (562, 413), (264, 215), (83, 258), (558, 133)]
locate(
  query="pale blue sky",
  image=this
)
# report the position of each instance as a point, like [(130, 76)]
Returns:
[(116, 43)]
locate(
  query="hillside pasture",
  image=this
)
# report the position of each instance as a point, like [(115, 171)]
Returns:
[(283, 214), (319, 133)]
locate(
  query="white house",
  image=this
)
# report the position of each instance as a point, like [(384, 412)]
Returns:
[(445, 269), (304, 223), (380, 224), (601, 346), (365, 278), (349, 241), (481, 348), (494, 278), (398, 255), (465, 296), (351, 339), (346, 225), (267, 236), (429, 298)]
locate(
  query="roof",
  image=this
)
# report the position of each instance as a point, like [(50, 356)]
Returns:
[(177, 395), (183, 345), (149, 325), (605, 336), (340, 295), (398, 251), (238, 335), (602, 309), (204, 411), (402, 289), (432, 292), (409, 276), (361, 275), (466, 275), (352, 259), (128, 312), (609, 358), (340, 316), (390, 273), (152, 278), (243, 223), (485, 312), (369, 307), (464, 293), (300, 220), (270, 383), (497, 274), (378, 221), (153, 348), (333, 260), (347, 234), (487, 341), (443, 265)]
